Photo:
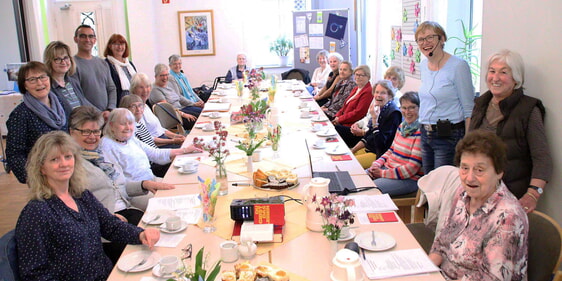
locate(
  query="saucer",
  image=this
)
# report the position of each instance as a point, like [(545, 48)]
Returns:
[(340, 150), (208, 130), (179, 161), (318, 147), (164, 215), (328, 133), (128, 263), (156, 272), (215, 117), (182, 228), (319, 118), (349, 237), (182, 171), (384, 241), (306, 117)]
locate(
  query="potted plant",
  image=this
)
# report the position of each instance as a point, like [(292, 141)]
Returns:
[(281, 46), (469, 50)]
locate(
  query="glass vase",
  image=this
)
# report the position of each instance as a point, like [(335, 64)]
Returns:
[(209, 217), (275, 148), (250, 164), (333, 248), (221, 177)]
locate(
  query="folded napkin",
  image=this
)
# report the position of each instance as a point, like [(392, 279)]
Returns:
[(341, 157)]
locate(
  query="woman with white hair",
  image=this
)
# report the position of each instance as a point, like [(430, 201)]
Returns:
[(324, 94), (237, 71), (320, 74), (519, 120), (120, 147)]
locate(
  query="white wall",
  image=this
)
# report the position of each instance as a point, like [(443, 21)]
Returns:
[(154, 36), (532, 28)]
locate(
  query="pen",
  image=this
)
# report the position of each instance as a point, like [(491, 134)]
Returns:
[(241, 183)]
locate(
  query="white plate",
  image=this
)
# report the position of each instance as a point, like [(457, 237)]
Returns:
[(164, 214), (349, 237), (306, 117), (165, 230), (200, 125), (128, 262), (324, 133), (156, 272), (219, 93), (318, 147), (319, 118), (336, 150), (208, 130), (181, 160), (384, 241), (215, 117), (214, 100), (205, 114), (182, 171), (305, 97)]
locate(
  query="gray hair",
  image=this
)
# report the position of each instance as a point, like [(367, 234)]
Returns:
[(128, 100), (173, 58), (159, 68), (82, 114), (387, 84), (336, 55), (514, 61), (139, 79), (118, 115), (322, 53), (365, 68)]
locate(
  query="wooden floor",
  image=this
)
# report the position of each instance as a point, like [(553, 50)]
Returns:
[(13, 197)]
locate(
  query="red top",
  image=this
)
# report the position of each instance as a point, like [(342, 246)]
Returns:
[(356, 108)]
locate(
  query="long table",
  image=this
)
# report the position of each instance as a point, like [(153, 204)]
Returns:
[(306, 255)]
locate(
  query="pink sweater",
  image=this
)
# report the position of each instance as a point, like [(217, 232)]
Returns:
[(403, 160)]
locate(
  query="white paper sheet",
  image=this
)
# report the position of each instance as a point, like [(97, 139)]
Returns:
[(300, 24), (174, 202), (372, 203), (301, 41), (316, 42), (378, 265), (169, 240), (315, 29), (191, 216)]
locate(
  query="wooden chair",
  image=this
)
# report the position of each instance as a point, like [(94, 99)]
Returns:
[(545, 248), (407, 209), (169, 117)]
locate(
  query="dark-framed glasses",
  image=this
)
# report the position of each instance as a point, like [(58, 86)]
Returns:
[(186, 252), (61, 60), (88, 132), (360, 75), (33, 80), (136, 106), (428, 39), (89, 36)]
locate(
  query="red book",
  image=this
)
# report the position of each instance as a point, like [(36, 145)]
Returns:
[(382, 217), (341, 157), (277, 232)]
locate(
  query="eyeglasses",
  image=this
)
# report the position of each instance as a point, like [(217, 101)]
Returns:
[(428, 39), (33, 80), (89, 36), (136, 106), (163, 75), (88, 132), (409, 108), (186, 252), (61, 60), (360, 75)]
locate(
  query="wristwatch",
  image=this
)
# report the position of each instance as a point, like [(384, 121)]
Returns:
[(538, 189)]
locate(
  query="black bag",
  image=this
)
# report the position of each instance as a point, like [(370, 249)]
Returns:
[(203, 92)]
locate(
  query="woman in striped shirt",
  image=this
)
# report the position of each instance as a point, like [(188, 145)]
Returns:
[(397, 171)]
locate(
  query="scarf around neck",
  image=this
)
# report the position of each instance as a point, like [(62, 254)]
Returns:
[(408, 129), (54, 116), (96, 158), (186, 89), (119, 66)]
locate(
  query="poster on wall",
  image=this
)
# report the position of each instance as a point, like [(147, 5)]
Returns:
[(197, 36)]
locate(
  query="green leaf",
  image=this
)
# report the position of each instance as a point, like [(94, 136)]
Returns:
[(215, 271)]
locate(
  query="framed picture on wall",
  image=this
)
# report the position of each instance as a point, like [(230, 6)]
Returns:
[(197, 36)]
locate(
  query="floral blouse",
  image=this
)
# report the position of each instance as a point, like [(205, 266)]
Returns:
[(490, 244)]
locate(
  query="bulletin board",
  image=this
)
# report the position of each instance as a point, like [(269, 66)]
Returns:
[(318, 30), (405, 52)]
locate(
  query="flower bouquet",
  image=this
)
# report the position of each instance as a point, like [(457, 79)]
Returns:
[(335, 213), (208, 196), (255, 76), (201, 272), (218, 152)]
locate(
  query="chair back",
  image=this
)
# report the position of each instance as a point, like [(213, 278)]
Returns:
[(8, 257), (169, 117), (218, 80), (545, 247), (297, 73)]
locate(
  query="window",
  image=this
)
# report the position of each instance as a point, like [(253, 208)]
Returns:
[(260, 29)]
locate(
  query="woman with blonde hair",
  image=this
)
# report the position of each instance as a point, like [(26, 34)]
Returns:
[(59, 231)]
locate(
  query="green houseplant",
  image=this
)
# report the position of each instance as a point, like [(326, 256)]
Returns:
[(468, 49), (281, 47)]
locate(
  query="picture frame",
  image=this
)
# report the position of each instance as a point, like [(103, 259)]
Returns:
[(197, 33)]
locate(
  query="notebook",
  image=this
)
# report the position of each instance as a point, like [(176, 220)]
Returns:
[(340, 181)]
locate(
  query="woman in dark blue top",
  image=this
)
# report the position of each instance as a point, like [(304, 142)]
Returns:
[(58, 234), (39, 113)]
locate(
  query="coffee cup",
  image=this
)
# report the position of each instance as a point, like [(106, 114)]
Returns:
[(303, 105), (209, 126), (320, 142), (190, 165), (305, 114), (317, 127), (173, 223), (214, 115), (229, 251), (345, 232), (223, 100), (168, 264)]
